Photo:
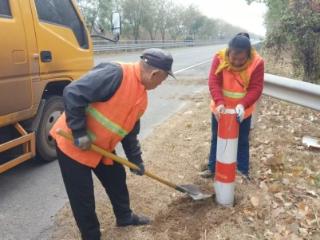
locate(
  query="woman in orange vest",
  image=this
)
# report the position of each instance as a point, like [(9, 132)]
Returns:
[(104, 107), (235, 81)]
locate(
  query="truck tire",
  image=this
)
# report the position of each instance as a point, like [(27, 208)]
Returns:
[(45, 144)]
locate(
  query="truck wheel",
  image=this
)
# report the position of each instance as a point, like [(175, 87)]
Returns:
[(46, 150)]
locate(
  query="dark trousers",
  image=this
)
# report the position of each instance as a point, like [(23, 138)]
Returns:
[(79, 186), (243, 146)]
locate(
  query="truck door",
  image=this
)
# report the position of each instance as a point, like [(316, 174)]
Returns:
[(64, 45), (18, 66)]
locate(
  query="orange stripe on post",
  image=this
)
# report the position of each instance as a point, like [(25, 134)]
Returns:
[(228, 127), (225, 173)]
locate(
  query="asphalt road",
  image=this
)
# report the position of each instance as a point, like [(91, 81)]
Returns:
[(31, 194)]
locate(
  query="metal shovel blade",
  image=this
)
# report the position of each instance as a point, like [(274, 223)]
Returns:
[(194, 192)]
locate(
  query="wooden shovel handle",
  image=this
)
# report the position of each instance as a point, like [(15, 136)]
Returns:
[(121, 160)]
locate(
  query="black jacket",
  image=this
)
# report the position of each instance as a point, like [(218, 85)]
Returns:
[(99, 85)]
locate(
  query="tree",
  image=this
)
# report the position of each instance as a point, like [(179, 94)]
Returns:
[(134, 13), (150, 18), (164, 16), (192, 19), (225, 30), (104, 13), (209, 29), (296, 23), (175, 23), (154, 19), (97, 13), (89, 11), (301, 25)]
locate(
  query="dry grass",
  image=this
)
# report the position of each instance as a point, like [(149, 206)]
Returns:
[(282, 201)]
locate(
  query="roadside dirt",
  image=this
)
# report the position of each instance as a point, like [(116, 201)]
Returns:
[(281, 202)]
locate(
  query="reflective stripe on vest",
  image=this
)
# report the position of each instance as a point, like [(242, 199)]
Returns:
[(108, 122), (105, 122), (236, 95)]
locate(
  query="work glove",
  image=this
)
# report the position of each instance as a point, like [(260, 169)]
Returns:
[(83, 142), (240, 112), (139, 171), (219, 109)]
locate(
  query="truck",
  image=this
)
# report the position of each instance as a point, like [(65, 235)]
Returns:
[(44, 46)]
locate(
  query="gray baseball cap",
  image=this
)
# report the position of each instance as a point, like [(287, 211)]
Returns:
[(158, 58)]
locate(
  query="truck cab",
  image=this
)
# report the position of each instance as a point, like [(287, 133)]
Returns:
[(44, 46)]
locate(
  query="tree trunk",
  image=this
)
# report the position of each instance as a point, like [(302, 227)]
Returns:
[(151, 35), (163, 34), (136, 33)]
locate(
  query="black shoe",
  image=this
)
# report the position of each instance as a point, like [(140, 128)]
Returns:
[(206, 174), (135, 220), (203, 167), (245, 176)]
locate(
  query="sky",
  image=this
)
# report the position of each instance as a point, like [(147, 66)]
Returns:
[(236, 12)]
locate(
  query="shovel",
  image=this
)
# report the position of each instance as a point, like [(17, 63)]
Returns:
[(189, 189)]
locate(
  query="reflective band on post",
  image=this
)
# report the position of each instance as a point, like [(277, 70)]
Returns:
[(236, 95), (225, 173), (228, 126), (107, 123)]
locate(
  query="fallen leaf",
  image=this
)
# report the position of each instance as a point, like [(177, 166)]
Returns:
[(285, 181), (312, 193), (263, 186), (277, 236), (255, 201), (268, 234), (287, 204), (279, 196), (276, 212), (275, 187), (303, 232), (294, 237), (297, 171), (274, 205)]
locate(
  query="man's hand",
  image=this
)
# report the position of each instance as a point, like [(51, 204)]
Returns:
[(141, 170), (240, 112), (219, 109), (83, 142)]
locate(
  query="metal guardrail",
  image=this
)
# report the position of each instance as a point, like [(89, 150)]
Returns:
[(294, 91), (130, 45)]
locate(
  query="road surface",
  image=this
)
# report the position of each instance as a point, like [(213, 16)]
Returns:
[(31, 194)]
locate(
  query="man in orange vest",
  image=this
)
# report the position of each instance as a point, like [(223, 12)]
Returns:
[(236, 82), (104, 107)]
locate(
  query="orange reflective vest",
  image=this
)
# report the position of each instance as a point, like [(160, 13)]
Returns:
[(234, 87), (110, 121)]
